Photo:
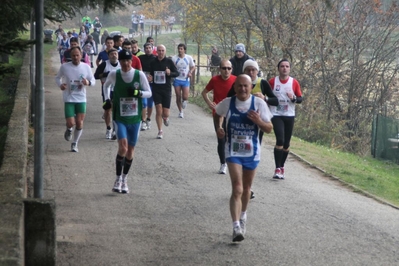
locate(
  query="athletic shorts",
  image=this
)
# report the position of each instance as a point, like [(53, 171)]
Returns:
[(246, 164), (181, 83), (71, 109), (162, 96), (129, 132)]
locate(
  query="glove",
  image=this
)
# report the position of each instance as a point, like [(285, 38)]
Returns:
[(107, 104), (105, 74), (132, 92)]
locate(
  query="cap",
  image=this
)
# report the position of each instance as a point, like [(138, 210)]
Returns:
[(251, 63), (240, 47), (124, 55)]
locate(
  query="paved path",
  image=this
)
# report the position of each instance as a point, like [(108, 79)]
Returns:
[(177, 211)]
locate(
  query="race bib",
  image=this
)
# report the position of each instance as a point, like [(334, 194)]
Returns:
[(282, 107), (159, 77), (128, 106), (75, 85), (241, 146), (182, 73)]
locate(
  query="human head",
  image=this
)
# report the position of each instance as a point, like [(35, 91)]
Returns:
[(239, 50), (113, 55), (148, 48), (161, 50), (125, 60), (243, 87), (74, 41), (150, 40), (181, 48), (76, 55), (127, 45), (251, 68), (118, 40), (135, 46), (225, 69), (284, 68), (64, 35), (109, 42), (90, 37), (214, 49), (69, 34)]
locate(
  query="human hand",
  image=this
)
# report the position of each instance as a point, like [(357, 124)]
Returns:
[(220, 133), (63, 86), (167, 71), (132, 92)]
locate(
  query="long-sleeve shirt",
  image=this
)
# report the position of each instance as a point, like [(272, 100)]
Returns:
[(160, 79)]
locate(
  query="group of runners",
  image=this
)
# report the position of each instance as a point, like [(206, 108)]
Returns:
[(244, 106)]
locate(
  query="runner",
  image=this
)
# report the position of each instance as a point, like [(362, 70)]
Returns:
[(129, 86)]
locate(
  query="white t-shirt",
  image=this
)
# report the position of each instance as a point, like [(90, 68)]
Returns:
[(72, 75), (183, 65)]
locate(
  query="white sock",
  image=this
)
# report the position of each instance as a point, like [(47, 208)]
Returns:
[(236, 223), (76, 135), (243, 215), (124, 177)]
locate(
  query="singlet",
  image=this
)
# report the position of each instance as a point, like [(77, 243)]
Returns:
[(257, 87), (108, 68), (183, 66), (126, 109), (285, 106), (242, 134)]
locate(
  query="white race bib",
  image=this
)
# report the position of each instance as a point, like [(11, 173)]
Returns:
[(128, 106)]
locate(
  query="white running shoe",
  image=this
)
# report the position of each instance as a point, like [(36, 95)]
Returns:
[(143, 125), (243, 225), (117, 185), (277, 174), (124, 187), (108, 134), (68, 135), (184, 104), (181, 115), (160, 135), (223, 168), (237, 234), (148, 124), (113, 135), (74, 147), (166, 121)]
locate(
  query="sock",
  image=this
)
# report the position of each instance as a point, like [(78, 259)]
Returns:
[(70, 129), (119, 164), (127, 165), (243, 215), (148, 119), (278, 156), (285, 154), (76, 135), (118, 177), (124, 177), (236, 223), (108, 127)]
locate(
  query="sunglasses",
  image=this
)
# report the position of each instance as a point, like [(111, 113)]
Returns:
[(226, 68)]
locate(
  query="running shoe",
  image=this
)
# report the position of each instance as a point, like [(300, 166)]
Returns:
[(117, 185), (277, 174), (166, 121), (223, 168), (243, 225), (124, 187), (237, 234), (108, 134), (113, 135), (184, 104), (252, 195), (74, 147), (68, 135), (160, 135), (181, 115), (148, 124), (143, 125), (282, 173)]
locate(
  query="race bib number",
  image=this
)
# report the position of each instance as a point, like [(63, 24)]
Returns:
[(282, 107), (182, 73), (128, 106), (241, 146), (75, 85), (159, 77)]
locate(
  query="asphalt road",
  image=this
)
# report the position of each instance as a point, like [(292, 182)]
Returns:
[(177, 211)]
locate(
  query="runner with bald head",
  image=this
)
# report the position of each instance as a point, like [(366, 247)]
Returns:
[(245, 115), (162, 70)]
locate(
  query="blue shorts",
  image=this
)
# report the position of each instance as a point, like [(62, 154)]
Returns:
[(246, 164), (129, 132), (148, 102), (181, 83)]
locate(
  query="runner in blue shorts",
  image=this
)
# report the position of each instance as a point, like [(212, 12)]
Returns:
[(245, 115)]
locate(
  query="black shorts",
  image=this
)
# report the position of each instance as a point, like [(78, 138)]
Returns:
[(162, 96)]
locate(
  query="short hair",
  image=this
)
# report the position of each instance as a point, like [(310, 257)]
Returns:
[(182, 45), (283, 60), (116, 38), (76, 47), (149, 38), (74, 39), (147, 44), (126, 42), (134, 41)]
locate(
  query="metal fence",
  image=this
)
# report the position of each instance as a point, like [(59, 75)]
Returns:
[(385, 138)]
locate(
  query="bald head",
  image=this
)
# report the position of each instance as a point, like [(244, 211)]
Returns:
[(161, 50), (225, 69), (243, 87)]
